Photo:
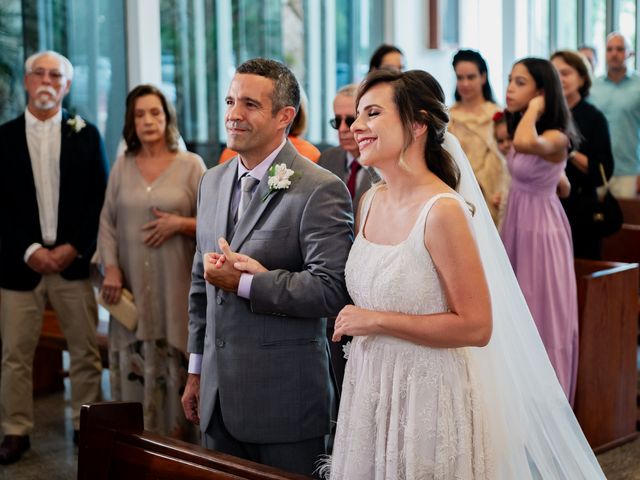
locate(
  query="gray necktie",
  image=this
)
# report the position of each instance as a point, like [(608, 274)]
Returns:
[(247, 183)]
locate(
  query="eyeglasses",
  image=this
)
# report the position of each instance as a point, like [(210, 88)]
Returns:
[(54, 75), (337, 121)]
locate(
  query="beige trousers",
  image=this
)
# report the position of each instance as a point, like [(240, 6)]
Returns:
[(21, 314)]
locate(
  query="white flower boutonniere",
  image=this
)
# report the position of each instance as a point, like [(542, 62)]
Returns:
[(279, 178), (76, 123)]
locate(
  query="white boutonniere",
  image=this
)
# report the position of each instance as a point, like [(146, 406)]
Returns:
[(76, 123), (279, 178)]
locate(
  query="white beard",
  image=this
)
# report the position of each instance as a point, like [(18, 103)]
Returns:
[(45, 98), (44, 104)]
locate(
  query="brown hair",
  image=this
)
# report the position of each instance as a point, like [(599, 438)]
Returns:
[(419, 99), (579, 63), (171, 133)]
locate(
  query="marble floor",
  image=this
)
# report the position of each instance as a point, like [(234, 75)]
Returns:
[(53, 456)]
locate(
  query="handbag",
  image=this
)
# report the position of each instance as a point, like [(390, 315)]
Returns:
[(124, 311), (607, 215)]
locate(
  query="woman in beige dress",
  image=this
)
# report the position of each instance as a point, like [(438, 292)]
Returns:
[(146, 244), (471, 122)]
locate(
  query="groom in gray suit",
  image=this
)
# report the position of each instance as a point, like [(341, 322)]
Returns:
[(273, 235)]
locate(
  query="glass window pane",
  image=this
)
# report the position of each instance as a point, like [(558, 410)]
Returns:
[(12, 98), (539, 28), (595, 28), (93, 39), (627, 22), (566, 24)]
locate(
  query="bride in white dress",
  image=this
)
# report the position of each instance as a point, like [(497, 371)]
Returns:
[(425, 394)]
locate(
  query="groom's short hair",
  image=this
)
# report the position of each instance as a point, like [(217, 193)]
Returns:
[(286, 91)]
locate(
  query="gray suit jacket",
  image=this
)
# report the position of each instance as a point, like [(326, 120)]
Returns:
[(267, 359), (335, 160)]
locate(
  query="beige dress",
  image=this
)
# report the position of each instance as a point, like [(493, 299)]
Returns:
[(475, 133), (149, 365)]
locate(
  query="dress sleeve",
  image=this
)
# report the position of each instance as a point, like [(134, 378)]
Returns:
[(107, 233)]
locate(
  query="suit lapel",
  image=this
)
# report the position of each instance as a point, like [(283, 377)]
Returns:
[(257, 206), (226, 183)]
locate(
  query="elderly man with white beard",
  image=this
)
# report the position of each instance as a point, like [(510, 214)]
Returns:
[(51, 192)]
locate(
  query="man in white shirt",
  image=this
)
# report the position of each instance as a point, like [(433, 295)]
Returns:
[(51, 192)]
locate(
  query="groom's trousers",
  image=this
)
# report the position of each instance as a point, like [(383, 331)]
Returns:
[(297, 457)]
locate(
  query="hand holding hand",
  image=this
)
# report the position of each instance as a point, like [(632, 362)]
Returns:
[(354, 321), (43, 262), (63, 255), (164, 227), (112, 284), (240, 261), (191, 399), (219, 270)]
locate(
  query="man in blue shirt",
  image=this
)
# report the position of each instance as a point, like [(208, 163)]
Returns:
[(617, 95)]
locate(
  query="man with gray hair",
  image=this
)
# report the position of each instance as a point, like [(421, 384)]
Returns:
[(617, 95), (343, 160), (51, 192), (272, 238)]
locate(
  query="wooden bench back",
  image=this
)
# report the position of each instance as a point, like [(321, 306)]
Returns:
[(605, 402), (115, 446)]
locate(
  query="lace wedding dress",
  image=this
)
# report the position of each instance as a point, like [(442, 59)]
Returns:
[(407, 411)]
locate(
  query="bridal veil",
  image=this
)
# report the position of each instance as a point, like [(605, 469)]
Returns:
[(534, 433)]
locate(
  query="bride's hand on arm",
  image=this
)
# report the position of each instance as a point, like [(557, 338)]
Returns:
[(355, 321)]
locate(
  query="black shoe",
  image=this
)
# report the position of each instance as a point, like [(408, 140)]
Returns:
[(76, 437), (12, 448)]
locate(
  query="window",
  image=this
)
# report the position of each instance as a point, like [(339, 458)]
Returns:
[(538, 20), (12, 98), (88, 32), (595, 28), (566, 24), (627, 26), (326, 44)]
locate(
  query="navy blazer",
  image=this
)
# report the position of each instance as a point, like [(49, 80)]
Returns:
[(83, 180)]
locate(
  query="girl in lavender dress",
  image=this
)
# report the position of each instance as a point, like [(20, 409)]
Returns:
[(535, 231)]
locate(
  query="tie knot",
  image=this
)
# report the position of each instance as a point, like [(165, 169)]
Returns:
[(247, 182), (355, 166)]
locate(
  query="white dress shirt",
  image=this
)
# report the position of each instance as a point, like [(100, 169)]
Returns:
[(43, 141)]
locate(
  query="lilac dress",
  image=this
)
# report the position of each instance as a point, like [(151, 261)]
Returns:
[(537, 237)]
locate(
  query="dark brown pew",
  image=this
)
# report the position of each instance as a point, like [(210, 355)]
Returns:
[(623, 246), (607, 370), (114, 445), (630, 210)]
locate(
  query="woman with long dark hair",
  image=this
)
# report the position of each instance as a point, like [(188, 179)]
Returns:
[(535, 230), (472, 123)]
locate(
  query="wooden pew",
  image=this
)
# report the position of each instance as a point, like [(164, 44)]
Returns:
[(114, 445), (630, 210), (607, 370)]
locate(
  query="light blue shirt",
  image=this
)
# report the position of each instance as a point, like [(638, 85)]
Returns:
[(620, 103)]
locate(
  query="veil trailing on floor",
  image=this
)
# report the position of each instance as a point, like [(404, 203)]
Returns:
[(533, 430)]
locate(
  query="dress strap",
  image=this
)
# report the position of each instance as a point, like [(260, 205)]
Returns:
[(367, 200), (418, 227)]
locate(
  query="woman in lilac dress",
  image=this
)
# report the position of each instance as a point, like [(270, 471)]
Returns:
[(536, 232)]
